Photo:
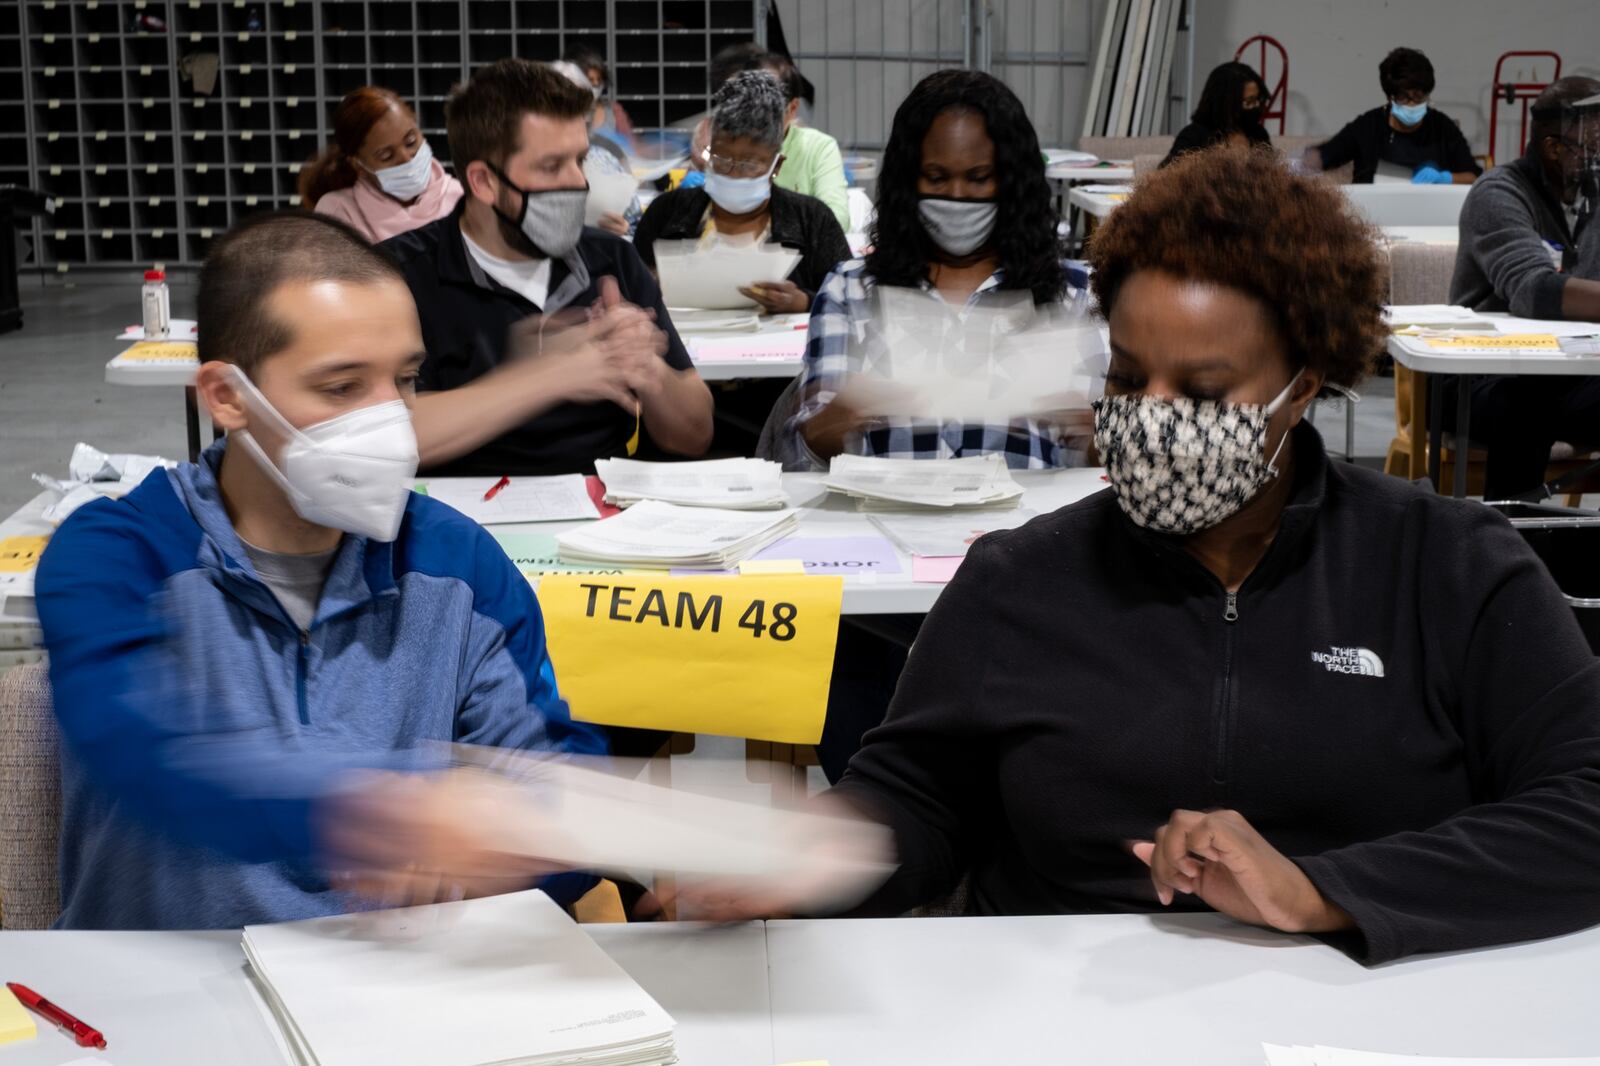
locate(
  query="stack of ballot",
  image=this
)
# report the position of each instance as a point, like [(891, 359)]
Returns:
[(1277, 1055), (664, 536), (91, 474), (735, 484), (710, 278), (506, 980), (1404, 317), (978, 482)]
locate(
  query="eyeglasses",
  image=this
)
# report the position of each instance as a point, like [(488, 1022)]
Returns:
[(1254, 103), (738, 168), (1409, 99)]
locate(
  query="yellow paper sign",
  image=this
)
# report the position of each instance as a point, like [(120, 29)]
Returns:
[(21, 554), (732, 656), (161, 352), (1498, 340)]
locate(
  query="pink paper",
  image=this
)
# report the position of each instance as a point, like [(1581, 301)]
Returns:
[(934, 569)]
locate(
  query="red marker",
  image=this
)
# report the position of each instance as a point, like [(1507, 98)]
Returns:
[(494, 490), (83, 1034)]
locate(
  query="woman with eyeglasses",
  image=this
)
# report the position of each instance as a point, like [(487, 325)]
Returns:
[(379, 174), (1230, 112), (1410, 136), (739, 203)]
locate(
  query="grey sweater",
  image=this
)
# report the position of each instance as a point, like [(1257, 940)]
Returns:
[(1511, 229)]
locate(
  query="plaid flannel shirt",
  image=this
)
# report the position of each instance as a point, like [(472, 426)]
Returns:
[(840, 317)]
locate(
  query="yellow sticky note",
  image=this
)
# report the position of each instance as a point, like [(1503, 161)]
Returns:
[(741, 657), (1498, 341), (161, 352), (18, 555), (16, 1024), (772, 566)]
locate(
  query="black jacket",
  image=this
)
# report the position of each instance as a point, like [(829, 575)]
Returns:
[(1405, 706), (1198, 135), (1368, 139), (466, 316), (800, 222)]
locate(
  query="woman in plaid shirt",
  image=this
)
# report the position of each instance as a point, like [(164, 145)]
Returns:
[(965, 215)]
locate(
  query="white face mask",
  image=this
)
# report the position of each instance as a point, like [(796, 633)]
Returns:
[(407, 181), (351, 473), (739, 196)]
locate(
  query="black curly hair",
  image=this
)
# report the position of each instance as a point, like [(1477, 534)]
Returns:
[(1025, 228)]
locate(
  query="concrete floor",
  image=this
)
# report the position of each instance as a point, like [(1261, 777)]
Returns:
[(53, 391)]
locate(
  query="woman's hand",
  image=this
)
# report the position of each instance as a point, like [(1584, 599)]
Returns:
[(612, 222), (778, 297), (1219, 857)]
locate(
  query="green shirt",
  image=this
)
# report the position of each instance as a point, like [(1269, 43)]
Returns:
[(813, 166)]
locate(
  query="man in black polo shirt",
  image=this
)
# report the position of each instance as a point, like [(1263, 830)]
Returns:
[(548, 344), (1407, 132)]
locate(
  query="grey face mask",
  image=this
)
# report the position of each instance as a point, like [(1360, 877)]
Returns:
[(551, 220), (960, 227)]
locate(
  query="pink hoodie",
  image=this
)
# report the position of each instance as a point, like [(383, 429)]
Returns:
[(380, 216)]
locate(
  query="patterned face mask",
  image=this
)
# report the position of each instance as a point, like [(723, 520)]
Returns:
[(1181, 465)]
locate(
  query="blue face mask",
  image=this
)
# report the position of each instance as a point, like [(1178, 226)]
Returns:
[(1408, 115)]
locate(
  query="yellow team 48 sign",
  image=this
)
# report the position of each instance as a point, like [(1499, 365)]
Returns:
[(743, 656)]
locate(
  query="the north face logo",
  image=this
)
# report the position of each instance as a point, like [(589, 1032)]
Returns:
[(1350, 661)]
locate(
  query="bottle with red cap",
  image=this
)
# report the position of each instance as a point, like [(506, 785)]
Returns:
[(157, 306)]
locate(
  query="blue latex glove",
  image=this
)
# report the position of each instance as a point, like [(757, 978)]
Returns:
[(692, 180), (1430, 175)]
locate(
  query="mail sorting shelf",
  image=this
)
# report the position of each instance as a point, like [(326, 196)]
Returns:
[(101, 110)]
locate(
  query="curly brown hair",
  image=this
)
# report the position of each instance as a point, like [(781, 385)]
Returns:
[(1238, 217)]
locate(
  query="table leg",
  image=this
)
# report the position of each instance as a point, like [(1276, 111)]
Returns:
[(1463, 440), (1435, 426), (191, 411)]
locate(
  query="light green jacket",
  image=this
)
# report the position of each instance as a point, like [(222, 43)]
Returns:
[(813, 166)]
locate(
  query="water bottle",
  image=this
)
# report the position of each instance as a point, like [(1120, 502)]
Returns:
[(157, 306)]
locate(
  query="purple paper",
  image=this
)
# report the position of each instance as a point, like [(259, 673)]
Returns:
[(830, 555)]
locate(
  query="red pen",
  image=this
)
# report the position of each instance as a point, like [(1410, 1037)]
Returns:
[(494, 489), (83, 1034)]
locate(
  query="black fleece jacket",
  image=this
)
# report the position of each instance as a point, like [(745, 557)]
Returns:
[(1403, 704)]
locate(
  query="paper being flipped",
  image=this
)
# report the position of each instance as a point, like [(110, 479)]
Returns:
[(1002, 361), (710, 278), (609, 192)]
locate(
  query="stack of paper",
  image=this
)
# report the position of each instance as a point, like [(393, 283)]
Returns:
[(736, 484), (711, 278), (662, 536), (1277, 1055), (1403, 317), (508, 980), (977, 482)]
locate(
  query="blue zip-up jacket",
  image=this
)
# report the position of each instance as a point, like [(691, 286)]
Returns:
[(201, 726)]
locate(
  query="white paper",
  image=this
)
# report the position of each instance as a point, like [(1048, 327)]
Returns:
[(178, 329), (1299, 1055), (535, 988), (989, 365), (609, 192), (711, 278), (649, 170), (945, 534), (664, 535), (1400, 316), (974, 481), (738, 484), (693, 321), (616, 822), (779, 346), (1546, 326), (562, 498)]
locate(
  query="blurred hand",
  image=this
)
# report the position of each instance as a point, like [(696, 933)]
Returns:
[(612, 222), (778, 297), (841, 864), (862, 401), (1219, 857), (612, 352), (1427, 175), (403, 839)]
